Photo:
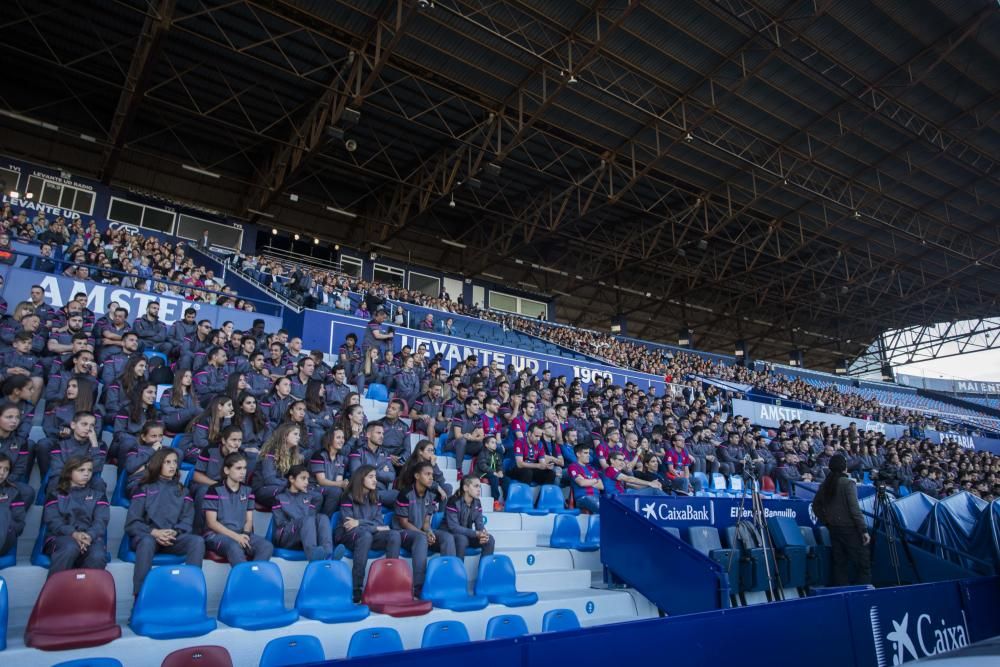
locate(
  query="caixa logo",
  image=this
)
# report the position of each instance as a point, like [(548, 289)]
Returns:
[(927, 637)]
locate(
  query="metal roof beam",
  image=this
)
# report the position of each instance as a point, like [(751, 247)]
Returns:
[(147, 51), (364, 67)]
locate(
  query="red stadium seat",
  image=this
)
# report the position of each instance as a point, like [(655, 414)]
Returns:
[(390, 589), (75, 609), (767, 484), (199, 656)]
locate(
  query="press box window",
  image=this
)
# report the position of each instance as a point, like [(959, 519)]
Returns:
[(389, 274), (61, 196), (139, 215), (224, 236)]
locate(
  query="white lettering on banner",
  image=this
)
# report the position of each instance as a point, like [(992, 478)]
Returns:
[(588, 375), (964, 441), (979, 387), (131, 229), (932, 638), (455, 354), (779, 413), (98, 298), (734, 513), (39, 207), (666, 512)]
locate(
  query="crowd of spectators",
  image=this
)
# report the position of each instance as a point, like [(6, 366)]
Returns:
[(259, 419), (334, 289), (79, 250)]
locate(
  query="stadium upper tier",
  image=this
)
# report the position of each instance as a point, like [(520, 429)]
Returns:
[(289, 282)]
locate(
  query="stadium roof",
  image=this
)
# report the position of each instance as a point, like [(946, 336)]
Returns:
[(792, 173)]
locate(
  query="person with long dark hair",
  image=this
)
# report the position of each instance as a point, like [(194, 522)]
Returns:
[(161, 517), (361, 527), (251, 421), (76, 517), (178, 403), (836, 505), (129, 421)]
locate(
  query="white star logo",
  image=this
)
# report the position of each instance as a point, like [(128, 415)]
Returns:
[(900, 639), (649, 510)]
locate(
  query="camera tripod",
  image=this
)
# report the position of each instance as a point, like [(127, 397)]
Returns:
[(757, 532), (886, 520)]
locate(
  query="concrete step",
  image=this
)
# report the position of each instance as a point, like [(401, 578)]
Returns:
[(539, 558), (514, 539)]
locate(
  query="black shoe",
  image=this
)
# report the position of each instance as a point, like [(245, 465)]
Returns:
[(357, 596), (417, 590)]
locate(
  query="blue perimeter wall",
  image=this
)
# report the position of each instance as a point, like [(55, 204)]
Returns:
[(865, 628)]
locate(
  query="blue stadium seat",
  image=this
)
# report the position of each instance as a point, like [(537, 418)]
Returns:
[(706, 540), (520, 499), (560, 620), (172, 604), (753, 566), (903, 490), (791, 550), (506, 626), (444, 633), (9, 559), (374, 641), (4, 611), (118, 498), (817, 559), (718, 483), (292, 650), (90, 662), (593, 539), (287, 554), (153, 354), (254, 598), (702, 478), (325, 593), (550, 499), (377, 392), (735, 486), (125, 553), (565, 533), (446, 585), (497, 580)]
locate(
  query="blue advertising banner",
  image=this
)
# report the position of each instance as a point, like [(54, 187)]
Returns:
[(327, 331), (60, 289), (718, 512), (770, 415), (896, 625), (966, 441)]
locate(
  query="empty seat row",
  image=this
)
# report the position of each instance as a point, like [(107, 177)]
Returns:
[(797, 561), (520, 499), (173, 599)]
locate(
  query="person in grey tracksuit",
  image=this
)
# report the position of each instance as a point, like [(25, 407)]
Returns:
[(463, 518), (415, 507), (361, 527), (152, 332), (297, 524), (72, 509), (12, 509), (75, 446), (160, 518), (374, 455), (228, 507)]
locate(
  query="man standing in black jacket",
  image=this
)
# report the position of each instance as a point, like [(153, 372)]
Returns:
[(836, 505)]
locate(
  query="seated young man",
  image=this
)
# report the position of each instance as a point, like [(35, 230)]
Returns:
[(618, 482), (586, 480)]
